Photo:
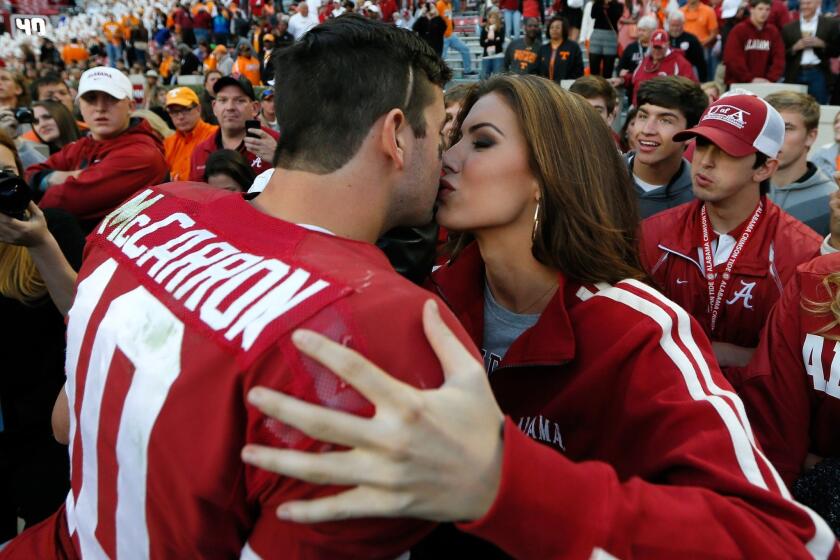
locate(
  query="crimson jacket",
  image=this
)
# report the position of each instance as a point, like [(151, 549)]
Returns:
[(674, 64), (198, 161), (672, 253), (113, 170), (623, 436), (753, 53), (791, 387)]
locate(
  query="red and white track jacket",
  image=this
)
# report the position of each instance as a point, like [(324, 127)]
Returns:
[(672, 253), (623, 437)]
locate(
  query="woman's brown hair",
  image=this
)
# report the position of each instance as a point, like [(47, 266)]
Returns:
[(68, 131), (19, 278), (588, 216), (829, 307)]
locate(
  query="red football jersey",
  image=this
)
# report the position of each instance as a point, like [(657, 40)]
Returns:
[(791, 387), (186, 299)]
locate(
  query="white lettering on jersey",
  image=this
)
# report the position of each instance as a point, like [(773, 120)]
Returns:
[(757, 45), (812, 349), (194, 266), (745, 293), (542, 429), (150, 336)]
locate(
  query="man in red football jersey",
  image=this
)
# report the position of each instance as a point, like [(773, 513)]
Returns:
[(187, 298), (726, 256)]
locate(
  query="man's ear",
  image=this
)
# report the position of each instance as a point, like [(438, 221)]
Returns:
[(394, 137), (765, 171), (811, 137)]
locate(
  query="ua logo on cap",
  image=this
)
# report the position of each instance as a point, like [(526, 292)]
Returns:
[(729, 114)]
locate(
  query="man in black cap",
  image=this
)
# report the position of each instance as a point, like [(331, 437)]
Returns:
[(235, 103)]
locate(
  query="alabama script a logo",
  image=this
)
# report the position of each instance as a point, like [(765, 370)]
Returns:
[(745, 293)]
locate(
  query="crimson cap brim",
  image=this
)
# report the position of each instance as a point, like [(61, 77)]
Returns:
[(729, 143)]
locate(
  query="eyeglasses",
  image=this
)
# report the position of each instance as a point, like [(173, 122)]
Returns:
[(179, 112)]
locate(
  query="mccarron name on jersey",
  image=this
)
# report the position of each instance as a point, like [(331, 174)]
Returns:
[(234, 292)]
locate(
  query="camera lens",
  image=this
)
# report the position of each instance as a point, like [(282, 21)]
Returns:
[(14, 195), (24, 115)]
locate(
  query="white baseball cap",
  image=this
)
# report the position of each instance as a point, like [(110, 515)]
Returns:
[(108, 80)]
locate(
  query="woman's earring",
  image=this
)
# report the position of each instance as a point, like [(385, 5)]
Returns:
[(536, 221)]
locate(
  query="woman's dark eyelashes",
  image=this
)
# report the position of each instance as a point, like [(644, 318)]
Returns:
[(482, 143)]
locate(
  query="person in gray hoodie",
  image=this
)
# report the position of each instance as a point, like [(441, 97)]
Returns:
[(798, 186), (828, 156), (661, 176)]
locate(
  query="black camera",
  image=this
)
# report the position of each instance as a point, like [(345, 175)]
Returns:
[(14, 195), (24, 115)]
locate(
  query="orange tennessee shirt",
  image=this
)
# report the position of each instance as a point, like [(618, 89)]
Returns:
[(444, 8), (700, 21), (248, 67), (73, 52), (178, 149), (113, 32)]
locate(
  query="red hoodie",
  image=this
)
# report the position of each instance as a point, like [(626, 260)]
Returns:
[(753, 53), (674, 64), (113, 170)]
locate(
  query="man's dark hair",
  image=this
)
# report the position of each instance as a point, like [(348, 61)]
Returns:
[(342, 76), (594, 86), (754, 3), (675, 92), (49, 79)]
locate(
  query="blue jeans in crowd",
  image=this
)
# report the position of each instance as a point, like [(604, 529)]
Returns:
[(492, 65), (456, 43), (114, 53), (814, 78), (201, 34), (513, 22)]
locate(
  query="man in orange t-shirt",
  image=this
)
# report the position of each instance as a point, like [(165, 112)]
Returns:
[(451, 39), (74, 52), (113, 32), (701, 21), (184, 108), (247, 66)]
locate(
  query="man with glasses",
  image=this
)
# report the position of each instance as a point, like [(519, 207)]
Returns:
[(184, 109)]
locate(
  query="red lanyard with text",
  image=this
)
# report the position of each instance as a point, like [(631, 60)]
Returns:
[(715, 298)]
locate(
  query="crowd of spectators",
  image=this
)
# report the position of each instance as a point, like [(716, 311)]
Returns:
[(187, 93)]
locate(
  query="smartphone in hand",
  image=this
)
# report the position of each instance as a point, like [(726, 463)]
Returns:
[(250, 125)]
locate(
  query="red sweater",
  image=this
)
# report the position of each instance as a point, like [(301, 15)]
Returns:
[(198, 161), (674, 64), (623, 436), (753, 53), (113, 170)]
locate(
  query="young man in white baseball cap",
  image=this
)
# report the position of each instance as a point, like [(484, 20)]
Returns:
[(91, 176), (726, 256)]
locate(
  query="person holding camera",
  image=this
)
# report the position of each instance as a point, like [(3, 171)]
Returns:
[(236, 108), (90, 177), (34, 468)]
